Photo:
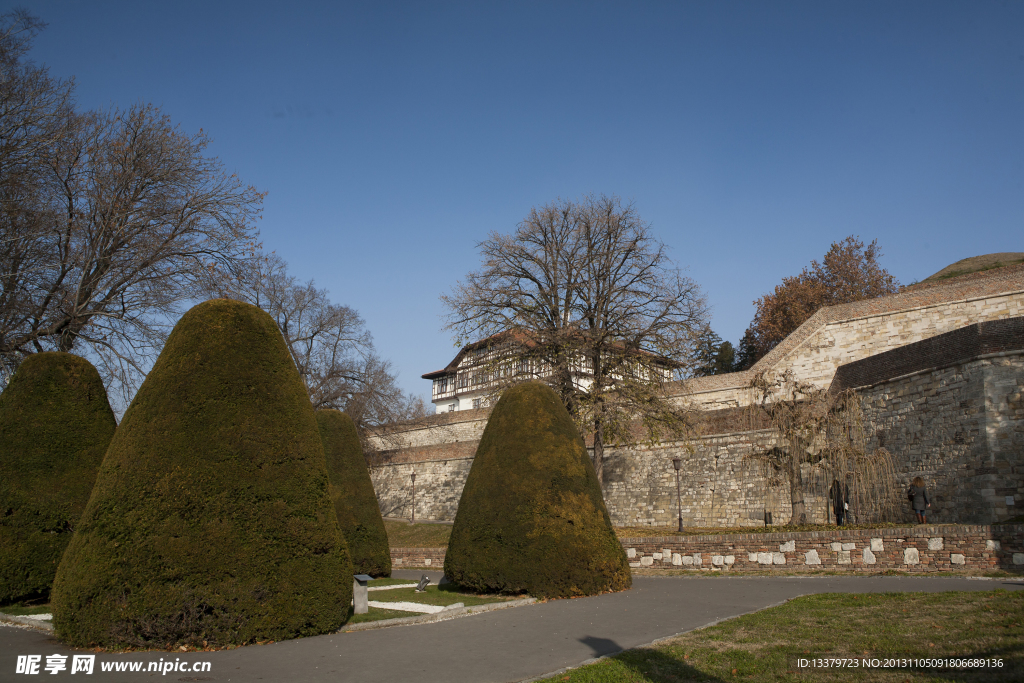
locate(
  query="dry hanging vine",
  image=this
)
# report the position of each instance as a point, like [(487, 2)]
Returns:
[(821, 452)]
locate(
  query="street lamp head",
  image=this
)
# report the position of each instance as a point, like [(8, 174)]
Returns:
[(677, 463), (413, 475)]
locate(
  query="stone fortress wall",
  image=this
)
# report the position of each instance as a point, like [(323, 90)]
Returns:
[(837, 335), (959, 425)]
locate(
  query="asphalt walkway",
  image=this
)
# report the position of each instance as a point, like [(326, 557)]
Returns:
[(506, 645)]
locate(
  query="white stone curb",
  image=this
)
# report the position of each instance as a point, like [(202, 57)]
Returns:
[(42, 624), (440, 616)]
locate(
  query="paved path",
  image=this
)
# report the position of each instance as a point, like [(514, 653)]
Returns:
[(508, 645)]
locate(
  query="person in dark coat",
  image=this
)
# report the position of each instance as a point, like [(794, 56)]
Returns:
[(839, 495), (919, 498)]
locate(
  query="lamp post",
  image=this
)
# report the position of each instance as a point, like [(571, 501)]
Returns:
[(413, 520), (677, 463)]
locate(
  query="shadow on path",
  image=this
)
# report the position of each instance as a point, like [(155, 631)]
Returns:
[(601, 646)]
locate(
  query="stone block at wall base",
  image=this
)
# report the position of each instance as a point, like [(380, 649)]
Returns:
[(917, 549)]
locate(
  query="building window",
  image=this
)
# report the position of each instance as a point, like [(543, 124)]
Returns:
[(476, 403), (451, 407)]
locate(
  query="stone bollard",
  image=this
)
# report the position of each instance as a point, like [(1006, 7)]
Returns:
[(359, 593)]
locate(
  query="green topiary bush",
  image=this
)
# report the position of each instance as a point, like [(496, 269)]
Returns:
[(532, 518), (55, 426), (211, 521), (352, 492)]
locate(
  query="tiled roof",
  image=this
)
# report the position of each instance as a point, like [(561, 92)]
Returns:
[(523, 339)]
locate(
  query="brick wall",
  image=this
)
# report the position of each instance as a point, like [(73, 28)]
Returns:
[(718, 485), (432, 558), (918, 549), (973, 442), (442, 428), (925, 548), (438, 487), (961, 428)]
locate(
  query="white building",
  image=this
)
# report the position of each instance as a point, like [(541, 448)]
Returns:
[(470, 379)]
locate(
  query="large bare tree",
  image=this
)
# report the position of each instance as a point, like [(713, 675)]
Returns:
[(329, 342), (602, 311), (109, 221)]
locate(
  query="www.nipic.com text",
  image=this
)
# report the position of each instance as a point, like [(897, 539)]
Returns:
[(85, 664)]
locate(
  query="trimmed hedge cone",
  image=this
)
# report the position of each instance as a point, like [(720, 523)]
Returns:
[(352, 492), (55, 426), (210, 522), (532, 517)]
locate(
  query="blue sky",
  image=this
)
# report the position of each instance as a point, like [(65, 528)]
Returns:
[(392, 137)]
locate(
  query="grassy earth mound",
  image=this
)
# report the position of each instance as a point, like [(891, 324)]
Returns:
[(211, 521), (55, 426), (352, 492), (532, 518), (976, 264)]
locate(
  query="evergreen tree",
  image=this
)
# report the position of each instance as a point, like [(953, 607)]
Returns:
[(532, 516), (211, 521), (55, 426), (713, 356), (352, 492)]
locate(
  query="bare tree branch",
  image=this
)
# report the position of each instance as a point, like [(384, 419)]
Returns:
[(108, 221), (329, 343)]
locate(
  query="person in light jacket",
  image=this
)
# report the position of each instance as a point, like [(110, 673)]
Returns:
[(920, 499)]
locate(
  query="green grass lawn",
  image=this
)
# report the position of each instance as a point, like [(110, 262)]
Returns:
[(404, 535), (434, 595), (437, 596), (764, 646), (20, 610)]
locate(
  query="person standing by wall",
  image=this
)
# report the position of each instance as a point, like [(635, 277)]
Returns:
[(919, 499), (839, 494)]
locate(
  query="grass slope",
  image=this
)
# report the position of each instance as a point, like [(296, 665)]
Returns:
[(405, 535)]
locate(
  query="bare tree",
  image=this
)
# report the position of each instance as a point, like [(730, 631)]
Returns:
[(109, 222), (605, 316), (820, 431), (35, 111), (329, 342)]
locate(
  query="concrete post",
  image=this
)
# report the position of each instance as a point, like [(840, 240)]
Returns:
[(360, 597)]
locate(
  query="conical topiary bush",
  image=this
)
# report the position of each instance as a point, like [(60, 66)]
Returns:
[(532, 518), (55, 426), (352, 492), (210, 522)]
